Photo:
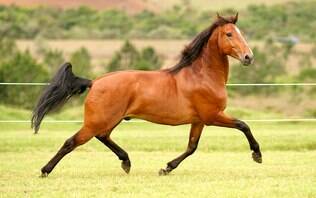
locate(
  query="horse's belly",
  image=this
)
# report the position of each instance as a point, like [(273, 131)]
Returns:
[(163, 112), (168, 120)]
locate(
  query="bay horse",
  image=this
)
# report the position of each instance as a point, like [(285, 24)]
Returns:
[(192, 92)]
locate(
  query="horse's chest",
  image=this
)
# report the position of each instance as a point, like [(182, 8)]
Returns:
[(215, 100), (210, 103)]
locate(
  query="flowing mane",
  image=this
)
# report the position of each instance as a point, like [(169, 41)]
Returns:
[(192, 51)]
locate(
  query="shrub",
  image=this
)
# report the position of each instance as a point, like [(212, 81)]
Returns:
[(81, 62), (265, 69), (128, 57), (21, 68), (53, 59), (181, 21), (7, 49), (149, 60)]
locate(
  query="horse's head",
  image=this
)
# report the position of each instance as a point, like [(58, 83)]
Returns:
[(231, 42)]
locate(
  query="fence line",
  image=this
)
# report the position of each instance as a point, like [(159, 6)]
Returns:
[(271, 84), (24, 83), (143, 121), (229, 84), (134, 121)]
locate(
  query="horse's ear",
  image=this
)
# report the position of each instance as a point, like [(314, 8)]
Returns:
[(218, 16), (235, 18)]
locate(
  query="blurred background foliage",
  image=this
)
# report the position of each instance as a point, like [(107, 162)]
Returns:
[(19, 66), (274, 31), (128, 57), (259, 22)]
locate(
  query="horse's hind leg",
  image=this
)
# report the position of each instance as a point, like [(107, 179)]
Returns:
[(195, 133), (121, 154), (81, 137)]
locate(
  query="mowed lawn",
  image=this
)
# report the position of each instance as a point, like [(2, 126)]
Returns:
[(221, 167)]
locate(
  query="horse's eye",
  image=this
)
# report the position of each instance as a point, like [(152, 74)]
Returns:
[(229, 34)]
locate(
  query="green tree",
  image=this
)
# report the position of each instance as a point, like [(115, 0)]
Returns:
[(307, 75), (53, 59), (125, 58), (149, 60), (21, 68), (7, 49), (81, 62), (128, 57)]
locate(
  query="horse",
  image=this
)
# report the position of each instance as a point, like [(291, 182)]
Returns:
[(191, 92)]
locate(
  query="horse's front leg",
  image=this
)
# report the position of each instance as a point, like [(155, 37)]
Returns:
[(223, 120), (195, 133)]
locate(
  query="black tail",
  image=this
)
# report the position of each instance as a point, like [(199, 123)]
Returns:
[(64, 85)]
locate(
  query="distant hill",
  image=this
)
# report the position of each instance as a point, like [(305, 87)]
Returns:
[(131, 6)]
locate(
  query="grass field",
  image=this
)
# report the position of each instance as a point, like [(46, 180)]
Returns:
[(221, 167)]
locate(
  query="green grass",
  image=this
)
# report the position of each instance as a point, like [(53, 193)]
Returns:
[(221, 167)]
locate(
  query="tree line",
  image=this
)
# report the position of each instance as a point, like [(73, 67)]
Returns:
[(258, 22), (21, 66)]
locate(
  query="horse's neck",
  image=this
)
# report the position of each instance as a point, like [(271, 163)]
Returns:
[(213, 63)]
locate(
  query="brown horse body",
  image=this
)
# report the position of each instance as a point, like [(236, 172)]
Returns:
[(193, 92)]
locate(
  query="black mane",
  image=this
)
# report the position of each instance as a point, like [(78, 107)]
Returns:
[(192, 51)]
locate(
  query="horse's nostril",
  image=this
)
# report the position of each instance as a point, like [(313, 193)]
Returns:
[(248, 59)]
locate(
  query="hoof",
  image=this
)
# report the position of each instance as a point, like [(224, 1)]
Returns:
[(257, 157), (45, 171), (126, 166), (163, 172), (43, 175)]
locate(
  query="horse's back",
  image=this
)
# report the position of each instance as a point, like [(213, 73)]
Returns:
[(150, 95), (131, 81)]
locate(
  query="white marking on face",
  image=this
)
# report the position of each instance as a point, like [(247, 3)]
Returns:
[(242, 38), (237, 30)]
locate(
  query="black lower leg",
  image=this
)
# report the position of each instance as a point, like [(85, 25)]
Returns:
[(254, 146), (68, 146), (195, 133), (121, 154), (174, 163)]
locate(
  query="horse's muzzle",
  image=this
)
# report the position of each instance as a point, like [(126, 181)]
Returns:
[(247, 59)]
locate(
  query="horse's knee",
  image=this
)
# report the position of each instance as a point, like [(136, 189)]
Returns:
[(79, 138), (242, 126), (192, 148), (69, 145)]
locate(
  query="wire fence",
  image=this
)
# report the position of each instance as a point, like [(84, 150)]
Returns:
[(135, 121), (229, 84), (24, 84), (143, 121)]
